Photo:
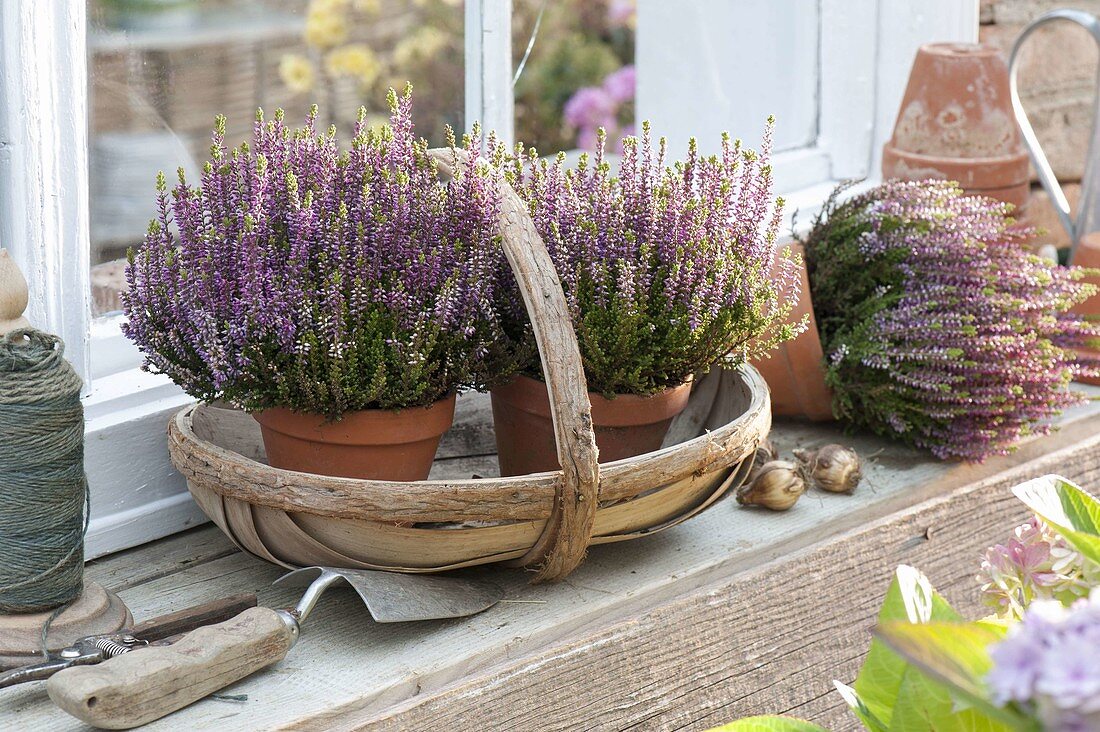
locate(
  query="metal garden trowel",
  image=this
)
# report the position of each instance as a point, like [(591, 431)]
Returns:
[(148, 683)]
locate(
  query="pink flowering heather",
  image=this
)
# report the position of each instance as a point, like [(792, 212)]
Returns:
[(324, 280), (666, 269), (1048, 665), (939, 327), (1035, 564)]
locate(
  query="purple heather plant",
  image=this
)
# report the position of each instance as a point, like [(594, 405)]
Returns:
[(304, 276), (667, 269), (1049, 667), (939, 328)]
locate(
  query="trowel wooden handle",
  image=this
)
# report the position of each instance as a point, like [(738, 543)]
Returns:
[(148, 683)]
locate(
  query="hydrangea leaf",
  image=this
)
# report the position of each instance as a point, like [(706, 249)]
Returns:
[(955, 655), (1068, 509), (769, 724), (923, 704), (910, 599)]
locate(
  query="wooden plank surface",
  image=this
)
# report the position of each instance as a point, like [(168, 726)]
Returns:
[(734, 612)]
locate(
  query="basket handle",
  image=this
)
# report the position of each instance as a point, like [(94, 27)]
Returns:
[(564, 539)]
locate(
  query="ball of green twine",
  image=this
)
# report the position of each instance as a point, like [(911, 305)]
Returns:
[(43, 491)]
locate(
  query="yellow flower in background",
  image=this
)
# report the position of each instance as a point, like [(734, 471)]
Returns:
[(368, 7), (354, 59), (328, 6), (297, 73), (326, 23), (426, 42)]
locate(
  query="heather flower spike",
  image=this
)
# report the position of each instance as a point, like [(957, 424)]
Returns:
[(667, 268), (939, 328), (326, 280)]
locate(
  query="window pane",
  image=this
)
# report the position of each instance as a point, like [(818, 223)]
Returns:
[(580, 73), (162, 69), (705, 66)]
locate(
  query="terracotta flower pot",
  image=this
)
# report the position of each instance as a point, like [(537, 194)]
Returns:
[(376, 444), (956, 123), (795, 371), (625, 426), (1087, 254)]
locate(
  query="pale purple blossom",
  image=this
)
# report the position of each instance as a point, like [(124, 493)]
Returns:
[(1048, 665)]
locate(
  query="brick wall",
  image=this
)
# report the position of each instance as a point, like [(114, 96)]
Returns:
[(1057, 85)]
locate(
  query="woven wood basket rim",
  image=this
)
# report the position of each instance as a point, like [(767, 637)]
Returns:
[(467, 499)]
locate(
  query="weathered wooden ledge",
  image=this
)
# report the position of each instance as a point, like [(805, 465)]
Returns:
[(735, 612)]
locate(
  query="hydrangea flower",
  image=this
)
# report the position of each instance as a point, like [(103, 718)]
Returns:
[(1035, 564), (1049, 664), (667, 269), (301, 275), (939, 327)]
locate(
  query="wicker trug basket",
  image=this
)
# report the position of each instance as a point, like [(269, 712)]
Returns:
[(544, 520)]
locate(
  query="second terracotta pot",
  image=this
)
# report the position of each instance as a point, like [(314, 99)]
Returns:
[(625, 426), (795, 371), (374, 444)]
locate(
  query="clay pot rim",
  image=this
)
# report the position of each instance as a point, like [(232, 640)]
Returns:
[(960, 48), (997, 161), (363, 427), (530, 395)]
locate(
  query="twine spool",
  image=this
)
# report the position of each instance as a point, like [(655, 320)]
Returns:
[(43, 491)]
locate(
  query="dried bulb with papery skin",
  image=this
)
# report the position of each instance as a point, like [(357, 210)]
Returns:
[(763, 454), (832, 468), (777, 485)]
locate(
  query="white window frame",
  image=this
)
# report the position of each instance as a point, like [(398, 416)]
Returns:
[(866, 49)]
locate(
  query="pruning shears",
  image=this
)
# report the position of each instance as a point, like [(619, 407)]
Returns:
[(162, 630)]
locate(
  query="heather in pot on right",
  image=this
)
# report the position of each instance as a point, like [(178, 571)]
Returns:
[(667, 270)]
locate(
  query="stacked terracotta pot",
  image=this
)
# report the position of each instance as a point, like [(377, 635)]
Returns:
[(956, 123)]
